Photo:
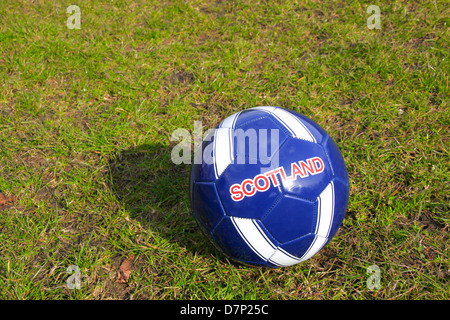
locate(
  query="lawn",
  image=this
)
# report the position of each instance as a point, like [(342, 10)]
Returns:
[(91, 205)]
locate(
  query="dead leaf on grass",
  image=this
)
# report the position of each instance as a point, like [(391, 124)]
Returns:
[(5, 200), (124, 271)]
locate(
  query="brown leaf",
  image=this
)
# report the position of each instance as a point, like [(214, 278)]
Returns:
[(4, 200), (124, 271)]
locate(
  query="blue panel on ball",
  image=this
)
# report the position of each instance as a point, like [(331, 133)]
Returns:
[(238, 179), (249, 115), (336, 159), (300, 246), (340, 205), (304, 169), (258, 140), (206, 205), (228, 238), (203, 167), (317, 131), (291, 218)]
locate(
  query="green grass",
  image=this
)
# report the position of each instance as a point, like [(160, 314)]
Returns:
[(86, 118)]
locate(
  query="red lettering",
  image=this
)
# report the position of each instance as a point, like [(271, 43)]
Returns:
[(296, 171), (307, 168), (272, 175), (264, 187), (236, 193), (252, 190), (319, 161), (261, 182), (283, 175)]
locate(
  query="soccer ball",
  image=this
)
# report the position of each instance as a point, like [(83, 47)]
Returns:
[(269, 187)]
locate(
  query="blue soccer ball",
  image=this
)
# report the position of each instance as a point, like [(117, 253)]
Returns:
[(269, 187)]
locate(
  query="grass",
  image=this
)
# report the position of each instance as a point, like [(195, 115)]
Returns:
[(86, 117)]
